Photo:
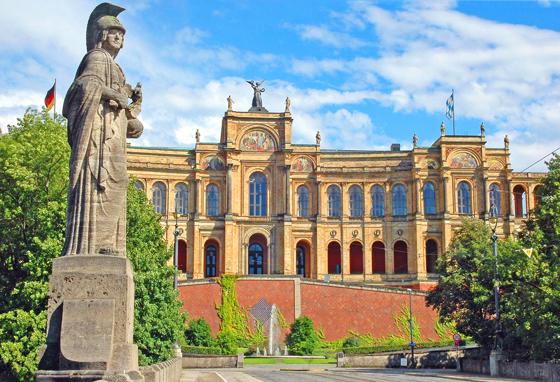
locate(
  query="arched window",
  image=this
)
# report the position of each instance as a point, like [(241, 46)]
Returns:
[(356, 202), (495, 198), (256, 259), (377, 201), (429, 199), (431, 255), (400, 256), (181, 199), (356, 258), (378, 257), (303, 201), (211, 260), (257, 194), (300, 260), (520, 201), (399, 200), (333, 258), (333, 194), (159, 192), (212, 200), (537, 192), (464, 198), (182, 256), (139, 185)]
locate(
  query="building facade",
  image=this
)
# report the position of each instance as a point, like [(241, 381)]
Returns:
[(255, 203)]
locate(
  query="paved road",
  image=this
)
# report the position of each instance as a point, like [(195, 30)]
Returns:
[(324, 373)]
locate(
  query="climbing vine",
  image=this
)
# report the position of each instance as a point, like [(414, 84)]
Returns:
[(234, 328)]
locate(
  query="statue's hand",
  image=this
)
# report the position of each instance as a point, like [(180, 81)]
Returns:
[(122, 100), (137, 93)]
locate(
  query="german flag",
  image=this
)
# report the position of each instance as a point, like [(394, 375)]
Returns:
[(49, 98)]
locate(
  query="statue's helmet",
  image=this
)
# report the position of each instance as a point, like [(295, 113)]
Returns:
[(103, 17)]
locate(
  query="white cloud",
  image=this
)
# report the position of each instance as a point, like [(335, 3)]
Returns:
[(324, 35)]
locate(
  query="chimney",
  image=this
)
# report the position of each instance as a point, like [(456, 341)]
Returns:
[(396, 147)]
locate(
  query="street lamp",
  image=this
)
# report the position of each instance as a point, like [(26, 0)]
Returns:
[(176, 234), (495, 355), (412, 344)]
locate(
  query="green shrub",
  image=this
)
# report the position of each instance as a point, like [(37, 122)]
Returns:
[(303, 339), (199, 333), (395, 347), (208, 350)]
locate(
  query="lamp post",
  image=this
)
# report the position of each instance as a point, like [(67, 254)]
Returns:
[(496, 353), (412, 344), (176, 234)]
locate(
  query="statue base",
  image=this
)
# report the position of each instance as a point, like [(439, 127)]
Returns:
[(90, 321), (258, 109)]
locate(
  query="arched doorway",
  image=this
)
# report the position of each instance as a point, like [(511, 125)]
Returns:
[(400, 256), (211, 258), (431, 255), (378, 257), (333, 254), (182, 256), (258, 253), (303, 259), (520, 201), (356, 258)]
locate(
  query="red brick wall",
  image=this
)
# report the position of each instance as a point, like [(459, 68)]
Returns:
[(338, 309), (334, 309), (200, 300)]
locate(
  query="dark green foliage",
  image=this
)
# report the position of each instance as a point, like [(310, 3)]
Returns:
[(33, 180), (158, 323), (351, 342), (34, 158), (303, 339), (395, 347), (199, 333)]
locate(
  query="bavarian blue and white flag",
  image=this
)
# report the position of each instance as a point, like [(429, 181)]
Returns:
[(450, 112)]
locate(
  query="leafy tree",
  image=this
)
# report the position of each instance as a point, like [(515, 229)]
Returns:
[(34, 158), (303, 339), (33, 181), (199, 334), (158, 322)]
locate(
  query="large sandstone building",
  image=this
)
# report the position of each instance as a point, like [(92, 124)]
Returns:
[(255, 203)]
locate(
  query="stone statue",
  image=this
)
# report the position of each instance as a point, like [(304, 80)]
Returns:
[(257, 99), (197, 136), (506, 142), (100, 118), (288, 104), (442, 129), (414, 140), (229, 103), (482, 129), (318, 138), (91, 288)]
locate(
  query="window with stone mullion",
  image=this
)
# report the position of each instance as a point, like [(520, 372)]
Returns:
[(377, 201), (303, 201), (333, 193), (356, 202), (257, 195)]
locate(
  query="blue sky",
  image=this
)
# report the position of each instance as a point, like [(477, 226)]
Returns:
[(364, 73)]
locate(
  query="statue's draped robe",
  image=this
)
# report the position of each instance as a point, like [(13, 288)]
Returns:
[(96, 215)]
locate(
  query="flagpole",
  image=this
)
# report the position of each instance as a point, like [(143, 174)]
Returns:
[(452, 95), (54, 106)]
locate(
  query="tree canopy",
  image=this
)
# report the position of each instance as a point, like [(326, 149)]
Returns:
[(528, 270), (34, 157)]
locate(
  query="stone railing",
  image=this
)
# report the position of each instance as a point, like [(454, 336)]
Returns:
[(548, 372), (201, 361), (424, 358), (167, 371)]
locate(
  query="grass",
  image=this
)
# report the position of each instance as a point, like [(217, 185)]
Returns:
[(287, 361)]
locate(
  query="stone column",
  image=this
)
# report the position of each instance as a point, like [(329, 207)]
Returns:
[(388, 200), (445, 196), (229, 187), (486, 197), (288, 190), (270, 259), (197, 198), (417, 208), (511, 200), (319, 199)]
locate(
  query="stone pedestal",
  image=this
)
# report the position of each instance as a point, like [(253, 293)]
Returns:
[(494, 359), (90, 321)]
